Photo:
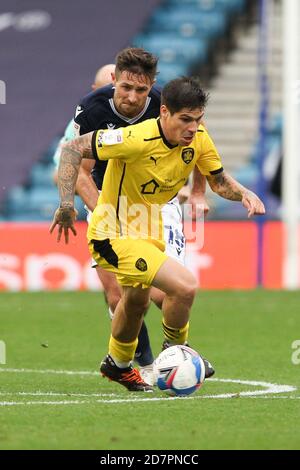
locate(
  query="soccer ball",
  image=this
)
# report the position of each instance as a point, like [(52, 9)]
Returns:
[(179, 370)]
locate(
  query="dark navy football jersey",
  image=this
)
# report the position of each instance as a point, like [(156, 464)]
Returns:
[(97, 111)]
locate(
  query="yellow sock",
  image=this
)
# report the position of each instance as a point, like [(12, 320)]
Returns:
[(176, 335), (122, 353)]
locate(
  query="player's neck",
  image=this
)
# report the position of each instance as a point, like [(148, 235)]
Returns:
[(165, 135)]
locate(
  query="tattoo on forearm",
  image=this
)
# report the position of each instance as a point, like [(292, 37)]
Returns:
[(71, 156), (226, 186)]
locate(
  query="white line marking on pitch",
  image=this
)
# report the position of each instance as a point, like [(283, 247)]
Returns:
[(269, 388), (50, 371), (58, 394)]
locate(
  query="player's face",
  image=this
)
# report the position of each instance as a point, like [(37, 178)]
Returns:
[(131, 92), (180, 128)]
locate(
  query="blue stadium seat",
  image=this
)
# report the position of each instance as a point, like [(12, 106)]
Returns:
[(42, 202), (37, 204), (233, 6), (247, 175), (16, 200), (189, 23), (172, 48), (42, 175), (168, 71)]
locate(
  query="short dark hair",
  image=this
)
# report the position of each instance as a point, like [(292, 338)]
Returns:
[(183, 92), (137, 61)]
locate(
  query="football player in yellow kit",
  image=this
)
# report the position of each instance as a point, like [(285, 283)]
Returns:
[(148, 164)]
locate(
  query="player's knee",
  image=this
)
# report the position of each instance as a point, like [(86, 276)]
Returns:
[(137, 307), (187, 291)]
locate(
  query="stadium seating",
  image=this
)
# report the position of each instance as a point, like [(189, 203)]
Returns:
[(232, 6), (172, 48), (35, 203), (168, 71), (188, 23), (248, 175), (185, 35), (41, 175)]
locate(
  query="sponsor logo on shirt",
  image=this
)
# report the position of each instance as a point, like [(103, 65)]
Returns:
[(110, 137)]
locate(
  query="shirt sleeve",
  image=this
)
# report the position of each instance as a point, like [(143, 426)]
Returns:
[(123, 144), (209, 161), (81, 121)]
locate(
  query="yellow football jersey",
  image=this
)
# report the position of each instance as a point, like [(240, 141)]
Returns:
[(144, 172)]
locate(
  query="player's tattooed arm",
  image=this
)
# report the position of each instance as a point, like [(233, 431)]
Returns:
[(71, 156), (227, 187), (224, 185)]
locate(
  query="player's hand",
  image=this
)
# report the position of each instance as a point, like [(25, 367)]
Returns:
[(64, 217), (198, 200), (183, 194), (253, 204)]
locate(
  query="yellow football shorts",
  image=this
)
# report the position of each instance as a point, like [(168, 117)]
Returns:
[(134, 261)]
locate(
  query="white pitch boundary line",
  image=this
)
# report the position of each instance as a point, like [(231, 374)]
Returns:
[(270, 388), (58, 394), (129, 400), (50, 371)]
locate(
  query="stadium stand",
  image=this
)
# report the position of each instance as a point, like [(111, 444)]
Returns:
[(191, 36), (233, 113), (192, 32), (48, 67)]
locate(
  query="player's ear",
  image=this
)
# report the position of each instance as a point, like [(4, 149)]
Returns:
[(113, 78), (164, 112)]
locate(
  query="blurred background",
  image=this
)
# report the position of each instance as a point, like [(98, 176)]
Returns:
[(49, 54)]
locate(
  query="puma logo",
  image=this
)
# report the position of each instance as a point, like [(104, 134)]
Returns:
[(155, 159)]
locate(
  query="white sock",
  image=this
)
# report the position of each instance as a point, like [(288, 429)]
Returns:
[(110, 313), (119, 364)]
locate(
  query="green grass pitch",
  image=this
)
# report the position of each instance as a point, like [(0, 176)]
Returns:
[(248, 336)]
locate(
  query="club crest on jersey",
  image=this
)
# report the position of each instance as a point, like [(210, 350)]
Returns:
[(187, 155), (141, 265), (150, 187)]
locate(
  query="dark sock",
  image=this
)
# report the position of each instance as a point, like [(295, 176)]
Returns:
[(143, 353)]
